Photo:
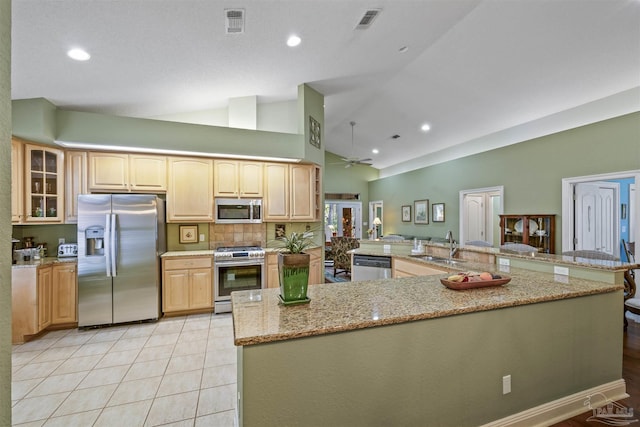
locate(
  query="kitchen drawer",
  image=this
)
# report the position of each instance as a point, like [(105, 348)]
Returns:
[(181, 263)]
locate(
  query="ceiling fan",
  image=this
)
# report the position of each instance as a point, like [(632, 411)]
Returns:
[(350, 161)]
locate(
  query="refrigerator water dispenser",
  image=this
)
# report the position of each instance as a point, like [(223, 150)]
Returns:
[(95, 241)]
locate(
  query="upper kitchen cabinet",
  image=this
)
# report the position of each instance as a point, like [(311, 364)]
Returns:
[(17, 181), (533, 230), (127, 172), (44, 183), (190, 190), (291, 192), (75, 183), (238, 179)]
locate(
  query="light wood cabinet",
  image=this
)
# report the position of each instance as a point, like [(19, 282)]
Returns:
[(302, 192), (316, 268), (273, 279), (187, 284), (292, 192), (190, 190), (235, 178), (276, 201), (17, 181), (45, 284), (64, 296), (75, 183), (127, 172), (44, 184), (404, 268), (148, 173), (42, 297)]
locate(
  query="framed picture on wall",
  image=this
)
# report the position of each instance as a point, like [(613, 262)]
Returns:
[(406, 213), (188, 234), (437, 212), (421, 211)]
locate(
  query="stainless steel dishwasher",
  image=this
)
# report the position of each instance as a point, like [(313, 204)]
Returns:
[(370, 267)]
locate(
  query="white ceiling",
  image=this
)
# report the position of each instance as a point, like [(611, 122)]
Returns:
[(473, 68)]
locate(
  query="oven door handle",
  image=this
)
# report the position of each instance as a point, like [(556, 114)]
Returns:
[(227, 263)]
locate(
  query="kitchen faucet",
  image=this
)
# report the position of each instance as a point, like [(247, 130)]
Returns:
[(453, 247)]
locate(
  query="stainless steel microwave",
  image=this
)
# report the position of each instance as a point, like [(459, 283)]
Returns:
[(238, 211)]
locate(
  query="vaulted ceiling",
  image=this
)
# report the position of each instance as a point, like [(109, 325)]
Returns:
[(474, 70)]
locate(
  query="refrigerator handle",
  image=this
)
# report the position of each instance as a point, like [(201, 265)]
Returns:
[(107, 243), (112, 235)]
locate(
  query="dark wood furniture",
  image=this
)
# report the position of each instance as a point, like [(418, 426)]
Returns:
[(533, 230)]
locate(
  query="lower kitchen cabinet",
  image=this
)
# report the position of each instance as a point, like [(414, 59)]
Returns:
[(64, 295), (316, 275), (402, 268), (273, 279), (187, 284), (44, 285), (42, 297)]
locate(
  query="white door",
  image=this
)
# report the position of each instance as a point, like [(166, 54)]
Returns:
[(474, 218), (596, 213)]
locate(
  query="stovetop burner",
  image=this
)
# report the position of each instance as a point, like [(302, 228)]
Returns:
[(238, 252), (238, 248)]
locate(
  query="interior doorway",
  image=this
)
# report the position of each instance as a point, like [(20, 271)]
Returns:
[(479, 214), (376, 218), (342, 219), (595, 217)]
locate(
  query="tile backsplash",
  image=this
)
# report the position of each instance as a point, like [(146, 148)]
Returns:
[(237, 235)]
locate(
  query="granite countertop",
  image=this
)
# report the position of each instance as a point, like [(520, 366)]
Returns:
[(335, 307), (538, 257), (44, 261)]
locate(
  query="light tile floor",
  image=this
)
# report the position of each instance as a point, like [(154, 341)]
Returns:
[(180, 371)]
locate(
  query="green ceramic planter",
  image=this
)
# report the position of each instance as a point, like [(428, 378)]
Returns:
[(293, 270)]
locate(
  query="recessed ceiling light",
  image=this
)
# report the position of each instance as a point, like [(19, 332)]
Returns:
[(375, 151), (78, 54), (403, 49), (425, 127), (293, 41)]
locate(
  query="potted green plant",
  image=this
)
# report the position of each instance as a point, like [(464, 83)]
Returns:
[(293, 267)]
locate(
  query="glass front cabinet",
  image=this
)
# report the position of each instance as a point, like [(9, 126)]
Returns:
[(44, 183), (532, 230)]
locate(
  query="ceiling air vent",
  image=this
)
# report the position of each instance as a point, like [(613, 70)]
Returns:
[(234, 21), (367, 19)]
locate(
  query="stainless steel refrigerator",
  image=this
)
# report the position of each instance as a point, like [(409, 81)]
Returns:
[(120, 240)]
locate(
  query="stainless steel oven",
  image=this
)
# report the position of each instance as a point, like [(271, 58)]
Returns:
[(236, 269)]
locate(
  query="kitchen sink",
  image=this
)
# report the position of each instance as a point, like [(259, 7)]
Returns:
[(439, 260)]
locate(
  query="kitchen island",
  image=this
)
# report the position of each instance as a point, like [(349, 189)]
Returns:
[(411, 352)]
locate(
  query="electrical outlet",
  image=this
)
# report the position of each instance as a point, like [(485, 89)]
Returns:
[(561, 270), (504, 261), (61, 240), (506, 384), (202, 237)]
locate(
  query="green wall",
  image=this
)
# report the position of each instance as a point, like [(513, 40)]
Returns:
[(445, 371), (39, 120), (531, 173), (5, 212), (338, 179)]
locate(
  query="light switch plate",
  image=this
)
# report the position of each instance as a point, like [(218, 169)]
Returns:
[(202, 237), (504, 261)]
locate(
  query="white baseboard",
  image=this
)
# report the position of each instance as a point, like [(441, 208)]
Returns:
[(566, 407)]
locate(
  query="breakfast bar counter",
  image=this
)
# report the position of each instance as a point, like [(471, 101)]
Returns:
[(335, 307), (412, 352)]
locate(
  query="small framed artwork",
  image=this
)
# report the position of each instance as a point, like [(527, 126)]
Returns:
[(281, 230), (188, 234), (421, 211), (437, 212), (406, 213), (314, 132)]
